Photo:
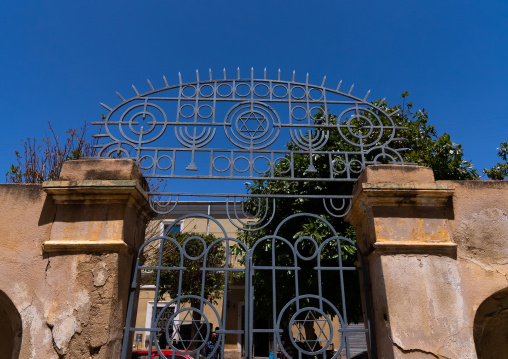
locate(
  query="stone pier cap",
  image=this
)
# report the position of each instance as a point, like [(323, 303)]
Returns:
[(402, 209), (100, 205)]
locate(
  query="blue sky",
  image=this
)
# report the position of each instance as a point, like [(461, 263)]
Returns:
[(58, 59)]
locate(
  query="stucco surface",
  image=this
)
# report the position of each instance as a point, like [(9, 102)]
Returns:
[(68, 302), (72, 300), (100, 169), (436, 251), (480, 229)]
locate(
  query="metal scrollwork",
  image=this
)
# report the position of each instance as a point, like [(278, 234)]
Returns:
[(240, 128), (258, 129), (248, 212)]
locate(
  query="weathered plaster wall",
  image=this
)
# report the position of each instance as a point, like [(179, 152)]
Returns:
[(436, 251), (23, 266), (480, 229), (70, 287)]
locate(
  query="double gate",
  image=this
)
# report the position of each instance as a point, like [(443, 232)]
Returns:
[(294, 291), (289, 265)]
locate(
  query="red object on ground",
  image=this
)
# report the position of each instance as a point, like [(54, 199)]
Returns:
[(143, 354)]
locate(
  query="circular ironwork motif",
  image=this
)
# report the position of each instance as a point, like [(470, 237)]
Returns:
[(191, 333), (313, 329), (364, 126), (142, 123), (252, 125)]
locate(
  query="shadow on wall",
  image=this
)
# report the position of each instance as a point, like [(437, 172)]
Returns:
[(490, 329), (10, 328)]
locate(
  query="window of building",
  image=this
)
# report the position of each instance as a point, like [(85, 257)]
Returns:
[(162, 323), (175, 228)]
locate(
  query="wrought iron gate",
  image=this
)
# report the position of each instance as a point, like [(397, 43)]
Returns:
[(293, 265)]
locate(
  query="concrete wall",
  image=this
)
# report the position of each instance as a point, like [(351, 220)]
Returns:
[(435, 251), (66, 253)]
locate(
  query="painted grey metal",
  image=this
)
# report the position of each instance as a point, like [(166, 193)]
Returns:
[(248, 128), (165, 202), (239, 128), (293, 310)]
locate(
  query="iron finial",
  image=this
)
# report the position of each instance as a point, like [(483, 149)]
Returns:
[(340, 83), (351, 89), (150, 84), (165, 81), (106, 107)]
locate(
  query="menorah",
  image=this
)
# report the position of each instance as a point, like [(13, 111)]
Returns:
[(251, 118), (310, 142), (194, 141)]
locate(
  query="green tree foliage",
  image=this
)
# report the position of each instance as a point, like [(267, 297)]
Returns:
[(191, 285), (424, 146), (43, 161), (499, 171), (192, 277)]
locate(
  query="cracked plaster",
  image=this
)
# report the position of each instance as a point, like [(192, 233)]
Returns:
[(425, 302), (71, 304), (429, 300)]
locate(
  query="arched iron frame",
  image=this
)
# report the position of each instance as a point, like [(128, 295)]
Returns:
[(249, 269), (257, 128)]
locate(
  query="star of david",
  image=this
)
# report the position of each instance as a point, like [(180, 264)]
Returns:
[(252, 123), (195, 324), (321, 335)]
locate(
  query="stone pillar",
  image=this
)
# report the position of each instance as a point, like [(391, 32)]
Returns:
[(401, 218), (100, 214)]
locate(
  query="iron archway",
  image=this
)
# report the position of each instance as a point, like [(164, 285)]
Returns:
[(255, 129)]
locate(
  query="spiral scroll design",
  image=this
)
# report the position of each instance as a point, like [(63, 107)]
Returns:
[(143, 123), (262, 121), (363, 127), (251, 221)]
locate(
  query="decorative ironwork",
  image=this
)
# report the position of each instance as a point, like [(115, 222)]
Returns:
[(164, 203), (307, 315), (240, 129), (251, 129)]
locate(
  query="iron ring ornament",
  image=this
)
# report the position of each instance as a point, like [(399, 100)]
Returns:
[(259, 118), (252, 125), (323, 338), (139, 123), (325, 332), (359, 125), (183, 317)]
